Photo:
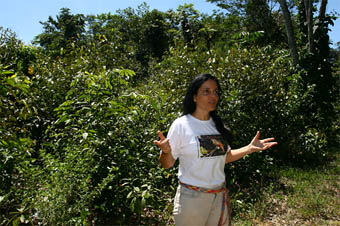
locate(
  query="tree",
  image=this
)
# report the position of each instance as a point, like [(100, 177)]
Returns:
[(14, 54), (140, 34), (308, 6), (259, 17), (234, 7), (256, 15), (187, 21), (154, 33), (309, 21), (315, 64), (59, 33), (290, 31), (308, 26)]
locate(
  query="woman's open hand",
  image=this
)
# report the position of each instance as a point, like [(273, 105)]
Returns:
[(260, 145)]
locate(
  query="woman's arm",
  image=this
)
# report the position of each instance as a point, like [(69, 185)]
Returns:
[(166, 159), (255, 145)]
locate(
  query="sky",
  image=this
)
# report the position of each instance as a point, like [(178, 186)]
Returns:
[(23, 16)]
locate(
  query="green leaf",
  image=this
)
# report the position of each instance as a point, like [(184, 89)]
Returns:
[(85, 135), (6, 72), (133, 204), (22, 218), (129, 195)]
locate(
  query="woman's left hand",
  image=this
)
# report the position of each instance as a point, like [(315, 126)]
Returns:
[(260, 145)]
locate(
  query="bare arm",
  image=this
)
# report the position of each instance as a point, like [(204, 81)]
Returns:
[(255, 145), (166, 159)]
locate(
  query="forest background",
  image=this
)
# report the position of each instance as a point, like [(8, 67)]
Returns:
[(81, 106)]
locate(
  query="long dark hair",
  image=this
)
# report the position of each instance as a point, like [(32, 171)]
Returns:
[(189, 106)]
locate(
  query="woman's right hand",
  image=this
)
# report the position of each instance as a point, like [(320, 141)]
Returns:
[(163, 143), (165, 157)]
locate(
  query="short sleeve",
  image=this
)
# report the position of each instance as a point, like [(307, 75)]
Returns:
[(174, 137)]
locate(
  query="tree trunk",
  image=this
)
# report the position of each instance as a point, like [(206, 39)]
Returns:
[(309, 20), (322, 11), (321, 45), (290, 31)]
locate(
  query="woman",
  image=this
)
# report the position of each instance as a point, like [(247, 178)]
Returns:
[(201, 143)]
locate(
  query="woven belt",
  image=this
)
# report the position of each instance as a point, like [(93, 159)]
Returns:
[(225, 201)]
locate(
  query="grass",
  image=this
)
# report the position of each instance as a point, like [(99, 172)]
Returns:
[(308, 195), (299, 196)]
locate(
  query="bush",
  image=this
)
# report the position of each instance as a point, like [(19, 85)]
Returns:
[(103, 129), (77, 135), (261, 91), (17, 162)]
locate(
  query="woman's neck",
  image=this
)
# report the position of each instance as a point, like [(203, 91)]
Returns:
[(201, 116)]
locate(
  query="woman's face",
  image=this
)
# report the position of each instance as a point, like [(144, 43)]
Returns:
[(206, 98)]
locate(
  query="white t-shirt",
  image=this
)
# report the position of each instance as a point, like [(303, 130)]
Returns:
[(200, 149)]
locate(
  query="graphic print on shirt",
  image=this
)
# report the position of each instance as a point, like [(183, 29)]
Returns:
[(212, 145)]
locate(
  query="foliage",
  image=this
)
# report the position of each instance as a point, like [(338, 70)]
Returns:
[(14, 54), (297, 196), (317, 74), (60, 32), (16, 148), (17, 162), (255, 16), (80, 114)]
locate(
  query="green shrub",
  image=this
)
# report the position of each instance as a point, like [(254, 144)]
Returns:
[(17, 160), (261, 91), (77, 135), (100, 161)]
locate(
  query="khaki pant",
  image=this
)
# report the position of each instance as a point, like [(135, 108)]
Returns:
[(198, 208)]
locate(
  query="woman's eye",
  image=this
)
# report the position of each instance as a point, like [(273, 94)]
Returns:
[(206, 92)]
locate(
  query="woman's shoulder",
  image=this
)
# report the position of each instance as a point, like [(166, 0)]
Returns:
[(180, 121)]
